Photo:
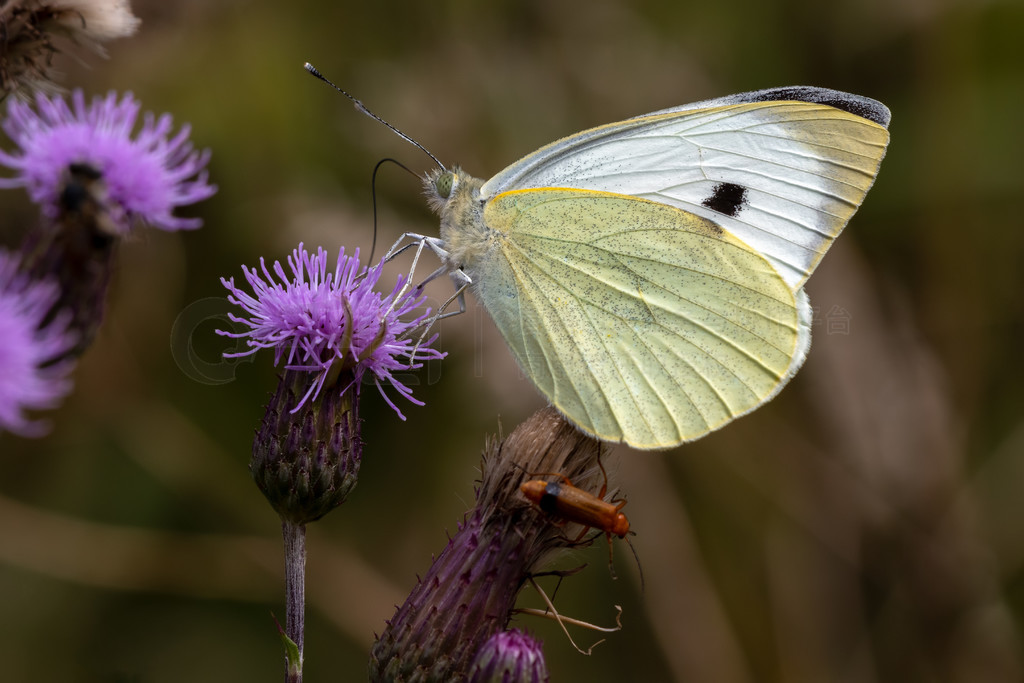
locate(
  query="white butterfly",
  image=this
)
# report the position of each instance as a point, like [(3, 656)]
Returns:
[(648, 274)]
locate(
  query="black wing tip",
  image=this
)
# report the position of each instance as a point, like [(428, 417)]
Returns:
[(865, 107)]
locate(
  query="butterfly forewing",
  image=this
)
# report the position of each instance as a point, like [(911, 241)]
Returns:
[(783, 176), (639, 321)]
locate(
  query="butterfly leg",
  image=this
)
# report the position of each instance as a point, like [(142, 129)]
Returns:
[(418, 241), (435, 244), (415, 240), (461, 281)]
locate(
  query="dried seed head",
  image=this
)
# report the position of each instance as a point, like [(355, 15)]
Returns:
[(33, 31)]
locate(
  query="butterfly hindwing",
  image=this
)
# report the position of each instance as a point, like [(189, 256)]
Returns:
[(639, 321)]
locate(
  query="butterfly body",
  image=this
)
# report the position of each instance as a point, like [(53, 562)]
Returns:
[(647, 275), (467, 238)]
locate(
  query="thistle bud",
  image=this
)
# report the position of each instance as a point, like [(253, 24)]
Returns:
[(509, 657), (306, 462)]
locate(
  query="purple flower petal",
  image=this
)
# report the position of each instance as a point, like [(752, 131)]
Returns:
[(147, 176), (26, 381), (314, 318)]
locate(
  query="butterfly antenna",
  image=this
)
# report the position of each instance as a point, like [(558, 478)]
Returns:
[(362, 107)]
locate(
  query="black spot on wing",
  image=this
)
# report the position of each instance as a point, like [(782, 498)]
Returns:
[(726, 198)]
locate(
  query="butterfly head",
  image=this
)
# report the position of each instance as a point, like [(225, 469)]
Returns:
[(440, 186), (450, 190)]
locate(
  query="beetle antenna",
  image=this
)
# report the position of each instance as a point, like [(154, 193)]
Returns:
[(362, 107), (637, 558)]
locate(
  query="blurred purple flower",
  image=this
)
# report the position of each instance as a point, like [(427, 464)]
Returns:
[(147, 176), (28, 379), (314, 319)]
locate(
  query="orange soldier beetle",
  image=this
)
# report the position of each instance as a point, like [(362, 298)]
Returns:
[(562, 499)]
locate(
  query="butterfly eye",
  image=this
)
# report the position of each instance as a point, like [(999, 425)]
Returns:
[(444, 184)]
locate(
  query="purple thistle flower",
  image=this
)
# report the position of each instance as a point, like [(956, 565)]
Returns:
[(318, 321), (330, 330), (147, 176), (29, 380)]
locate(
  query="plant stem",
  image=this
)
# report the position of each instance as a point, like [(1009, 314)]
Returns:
[(295, 592)]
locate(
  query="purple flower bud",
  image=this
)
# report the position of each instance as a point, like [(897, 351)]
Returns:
[(509, 657), (306, 462)]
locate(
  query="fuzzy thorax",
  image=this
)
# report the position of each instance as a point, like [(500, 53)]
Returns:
[(465, 235)]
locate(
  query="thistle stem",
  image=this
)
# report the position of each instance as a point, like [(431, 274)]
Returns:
[(295, 593)]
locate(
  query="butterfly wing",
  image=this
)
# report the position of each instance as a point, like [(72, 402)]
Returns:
[(783, 169), (641, 322)]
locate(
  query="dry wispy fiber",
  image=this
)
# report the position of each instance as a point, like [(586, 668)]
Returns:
[(469, 593), (33, 31)]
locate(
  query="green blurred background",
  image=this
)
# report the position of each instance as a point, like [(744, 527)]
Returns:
[(867, 525)]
